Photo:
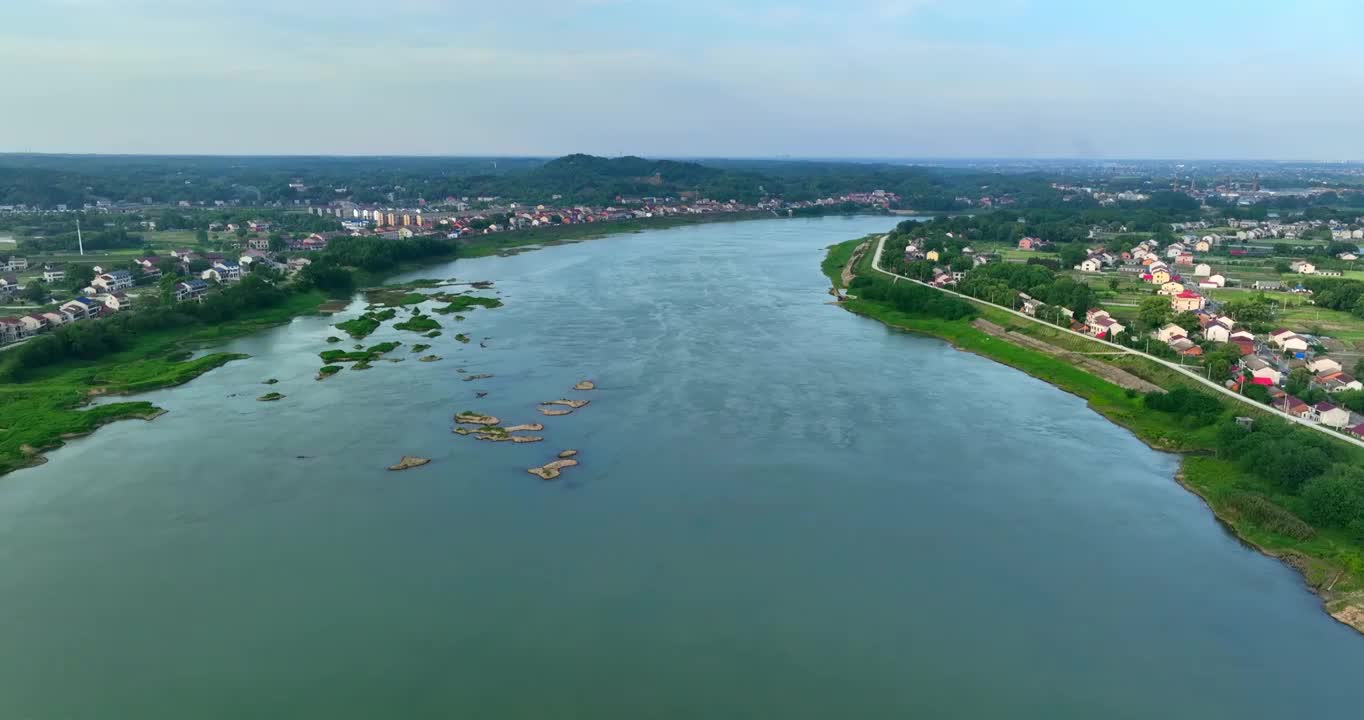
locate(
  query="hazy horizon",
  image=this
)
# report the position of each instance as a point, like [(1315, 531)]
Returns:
[(864, 80)]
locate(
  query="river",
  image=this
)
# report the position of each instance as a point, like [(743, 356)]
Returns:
[(783, 510)]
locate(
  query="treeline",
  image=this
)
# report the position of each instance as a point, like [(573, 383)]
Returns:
[(1311, 475), (1336, 294), (1002, 282), (95, 339), (334, 270), (911, 298), (1054, 225), (110, 239), (46, 180)]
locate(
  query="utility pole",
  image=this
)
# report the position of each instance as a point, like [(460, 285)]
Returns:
[(80, 242)]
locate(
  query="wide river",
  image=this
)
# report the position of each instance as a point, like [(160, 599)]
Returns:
[(783, 511)]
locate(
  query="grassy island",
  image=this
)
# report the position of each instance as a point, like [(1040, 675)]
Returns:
[(461, 303), (418, 323)]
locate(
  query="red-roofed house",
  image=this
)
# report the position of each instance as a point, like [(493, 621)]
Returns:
[(1187, 301), (1294, 407)]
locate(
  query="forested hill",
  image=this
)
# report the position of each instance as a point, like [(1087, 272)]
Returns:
[(48, 180)]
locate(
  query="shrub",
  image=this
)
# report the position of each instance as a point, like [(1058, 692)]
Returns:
[(1337, 497), (1260, 510)]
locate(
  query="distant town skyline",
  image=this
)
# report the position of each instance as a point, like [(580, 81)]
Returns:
[(863, 79)]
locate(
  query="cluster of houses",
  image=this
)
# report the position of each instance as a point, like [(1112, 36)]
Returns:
[(455, 216), (943, 276), (1323, 413), (107, 291), (15, 328), (1032, 244)]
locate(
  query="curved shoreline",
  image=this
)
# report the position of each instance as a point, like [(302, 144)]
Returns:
[(1346, 607), (317, 304)]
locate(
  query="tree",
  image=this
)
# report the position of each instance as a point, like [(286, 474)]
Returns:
[(1186, 320), (36, 292), (1113, 284), (1336, 497), (165, 288), (1073, 254), (201, 236), (1254, 310), (79, 276), (278, 243), (1153, 312), (1222, 359)]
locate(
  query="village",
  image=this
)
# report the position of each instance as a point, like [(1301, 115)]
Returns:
[(258, 244), (1181, 301)]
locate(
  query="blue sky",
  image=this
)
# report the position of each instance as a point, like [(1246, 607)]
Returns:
[(858, 78)]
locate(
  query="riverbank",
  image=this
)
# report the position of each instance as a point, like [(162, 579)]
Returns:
[(514, 240), (53, 405), (1331, 562)]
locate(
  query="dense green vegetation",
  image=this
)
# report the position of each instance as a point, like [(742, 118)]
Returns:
[(99, 338), (1337, 294), (836, 258), (461, 303), (360, 328), (911, 298), (369, 354), (418, 323)]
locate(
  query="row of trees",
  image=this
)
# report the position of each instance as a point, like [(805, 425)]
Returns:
[(49, 180), (332, 270), (911, 298), (98, 338), (1337, 294), (1315, 477), (1322, 480), (1002, 282)]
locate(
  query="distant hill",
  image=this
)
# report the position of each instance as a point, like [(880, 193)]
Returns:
[(47, 180)]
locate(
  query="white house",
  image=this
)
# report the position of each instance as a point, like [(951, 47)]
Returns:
[(1330, 415), (76, 309), (1091, 265), (189, 290), (1302, 267), (1169, 332), (1260, 369), (53, 274), (32, 324), (1323, 365), (1217, 332), (113, 281), (117, 302), (1202, 270)]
